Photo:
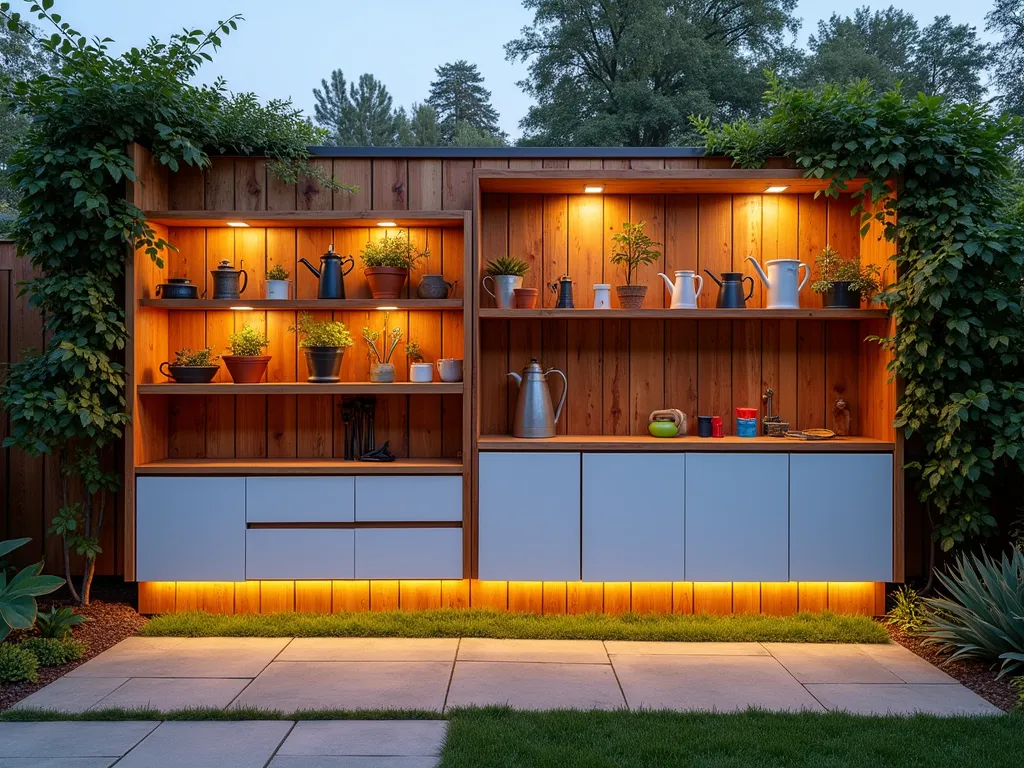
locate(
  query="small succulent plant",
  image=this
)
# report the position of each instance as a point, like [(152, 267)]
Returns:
[(413, 353), (507, 265)]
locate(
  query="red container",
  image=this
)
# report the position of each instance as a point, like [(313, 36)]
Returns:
[(746, 413), (716, 426)]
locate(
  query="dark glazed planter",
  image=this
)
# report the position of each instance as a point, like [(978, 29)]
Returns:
[(386, 282), (246, 370), (323, 364), (189, 374), (839, 296)]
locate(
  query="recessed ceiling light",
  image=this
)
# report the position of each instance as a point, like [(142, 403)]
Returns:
[(242, 309), (386, 224), (386, 309), (776, 190), (593, 190), (237, 224)]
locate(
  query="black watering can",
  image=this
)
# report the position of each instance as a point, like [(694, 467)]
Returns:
[(331, 274), (730, 290)]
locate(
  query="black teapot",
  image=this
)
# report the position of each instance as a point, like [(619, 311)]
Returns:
[(730, 289), (225, 281), (331, 274)]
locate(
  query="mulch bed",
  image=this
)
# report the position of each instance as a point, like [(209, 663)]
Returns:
[(979, 676), (113, 619)]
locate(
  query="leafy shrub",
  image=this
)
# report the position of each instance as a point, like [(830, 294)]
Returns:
[(833, 269), (248, 342), (18, 596), (17, 665), (322, 333), (395, 252), (51, 652), (908, 612), (1018, 686), (413, 353), (983, 615), (58, 622), (632, 248), (507, 265), (277, 272), (201, 357)]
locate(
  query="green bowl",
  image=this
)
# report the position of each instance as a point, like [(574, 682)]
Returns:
[(662, 428)]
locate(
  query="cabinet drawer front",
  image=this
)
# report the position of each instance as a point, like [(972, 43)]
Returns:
[(408, 499), (299, 499), (409, 553), (300, 553)]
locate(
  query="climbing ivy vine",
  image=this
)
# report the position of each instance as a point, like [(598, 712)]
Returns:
[(957, 301), (77, 228)]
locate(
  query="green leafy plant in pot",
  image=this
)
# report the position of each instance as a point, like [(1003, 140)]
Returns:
[(506, 275), (324, 343), (842, 283), (632, 248), (387, 263), (419, 371), (245, 363), (192, 366), (381, 346), (277, 282)]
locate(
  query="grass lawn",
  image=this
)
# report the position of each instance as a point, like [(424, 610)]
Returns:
[(801, 628)]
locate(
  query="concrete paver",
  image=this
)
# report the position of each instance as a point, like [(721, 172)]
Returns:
[(184, 657), (71, 694), (71, 739), (534, 686), (828, 663), (354, 762), (560, 651), (209, 745), (906, 664), (394, 738), (370, 649), (875, 699), (640, 648), (57, 762), (167, 693)]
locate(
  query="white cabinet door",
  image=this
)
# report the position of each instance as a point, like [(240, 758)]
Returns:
[(633, 516), (300, 499), (190, 528), (409, 553), (737, 517), (840, 516), (299, 553), (529, 516), (409, 499)]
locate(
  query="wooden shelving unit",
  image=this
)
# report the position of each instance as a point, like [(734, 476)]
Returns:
[(645, 443), (299, 467), (586, 313), (304, 388), (312, 305), (290, 219)]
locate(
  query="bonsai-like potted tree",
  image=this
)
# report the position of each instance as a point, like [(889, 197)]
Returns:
[(245, 363), (419, 371), (277, 282), (387, 263), (192, 367), (381, 369), (506, 275), (323, 342), (842, 283), (632, 248)]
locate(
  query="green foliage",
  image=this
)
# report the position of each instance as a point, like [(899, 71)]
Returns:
[(507, 265), (247, 342), (908, 612), (357, 114), (418, 127), (1006, 19), (278, 272), (632, 248), (396, 252), (957, 301), (982, 616), (833, 269), (18, 596), (51, 652), (388, 341), (413, 353), (1018, 686), (58, 622), (461, 102), (17, 665), (198, 357), (321, 333)]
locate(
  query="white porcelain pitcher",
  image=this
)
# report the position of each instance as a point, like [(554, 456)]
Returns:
[(782, 281), (684, 294)]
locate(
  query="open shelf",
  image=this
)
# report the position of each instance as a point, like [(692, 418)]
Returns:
[(303, 388), (684, 314), (299, 467), (647, 443), (339, 305), (306, 218)]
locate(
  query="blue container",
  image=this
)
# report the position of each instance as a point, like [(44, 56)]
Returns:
[(746, 427)]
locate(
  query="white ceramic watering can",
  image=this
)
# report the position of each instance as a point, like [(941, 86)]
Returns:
[(781, 281), (684, 295)]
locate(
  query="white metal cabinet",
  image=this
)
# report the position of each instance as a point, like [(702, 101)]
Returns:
[(737, 517), (840, 516), (190, 528), (633, 526), (409, 553), (299, 499), (529, 516), (409, 498), (299, 553)]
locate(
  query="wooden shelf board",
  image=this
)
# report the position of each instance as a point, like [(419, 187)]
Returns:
[(303, 388), (299, 467), (306, 218), (640, 443), (684, 314), (337, 305)]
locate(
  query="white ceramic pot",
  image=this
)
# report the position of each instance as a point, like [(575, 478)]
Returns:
[(450, 369), (277, 289), (421, 373), (504, 289), (602, 296)]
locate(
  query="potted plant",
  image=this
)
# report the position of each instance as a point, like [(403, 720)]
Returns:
[(419, 371), (277, 282), (506, 274), (387, 263), (381, 369), (192, 367), (842, 283), (323, 342), (245, 363), (632, 248)]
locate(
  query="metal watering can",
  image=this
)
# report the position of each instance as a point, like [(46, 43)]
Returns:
[(534, 416), (781, 281), (331, 274)]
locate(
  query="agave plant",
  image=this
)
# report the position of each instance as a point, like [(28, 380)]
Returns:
[(18, 597), (983, 615)]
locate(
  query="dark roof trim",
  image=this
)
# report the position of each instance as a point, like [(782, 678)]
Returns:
[(513, 152)]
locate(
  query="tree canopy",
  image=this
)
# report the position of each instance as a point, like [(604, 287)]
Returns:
[(360, 115), (459, 97), (1007, 20)]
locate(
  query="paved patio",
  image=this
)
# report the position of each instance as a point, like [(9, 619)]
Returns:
[(288, 674)]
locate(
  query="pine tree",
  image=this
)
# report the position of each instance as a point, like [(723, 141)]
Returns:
[(418, 127), (458, 96), (331, 103), (369, 119)]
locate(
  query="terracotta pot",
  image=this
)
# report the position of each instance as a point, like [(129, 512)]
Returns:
[(526, 298), (386, 282), (246, 370), (631, 296)]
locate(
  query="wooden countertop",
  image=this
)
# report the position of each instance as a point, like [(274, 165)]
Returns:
[(641, 443), (299, 467)]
